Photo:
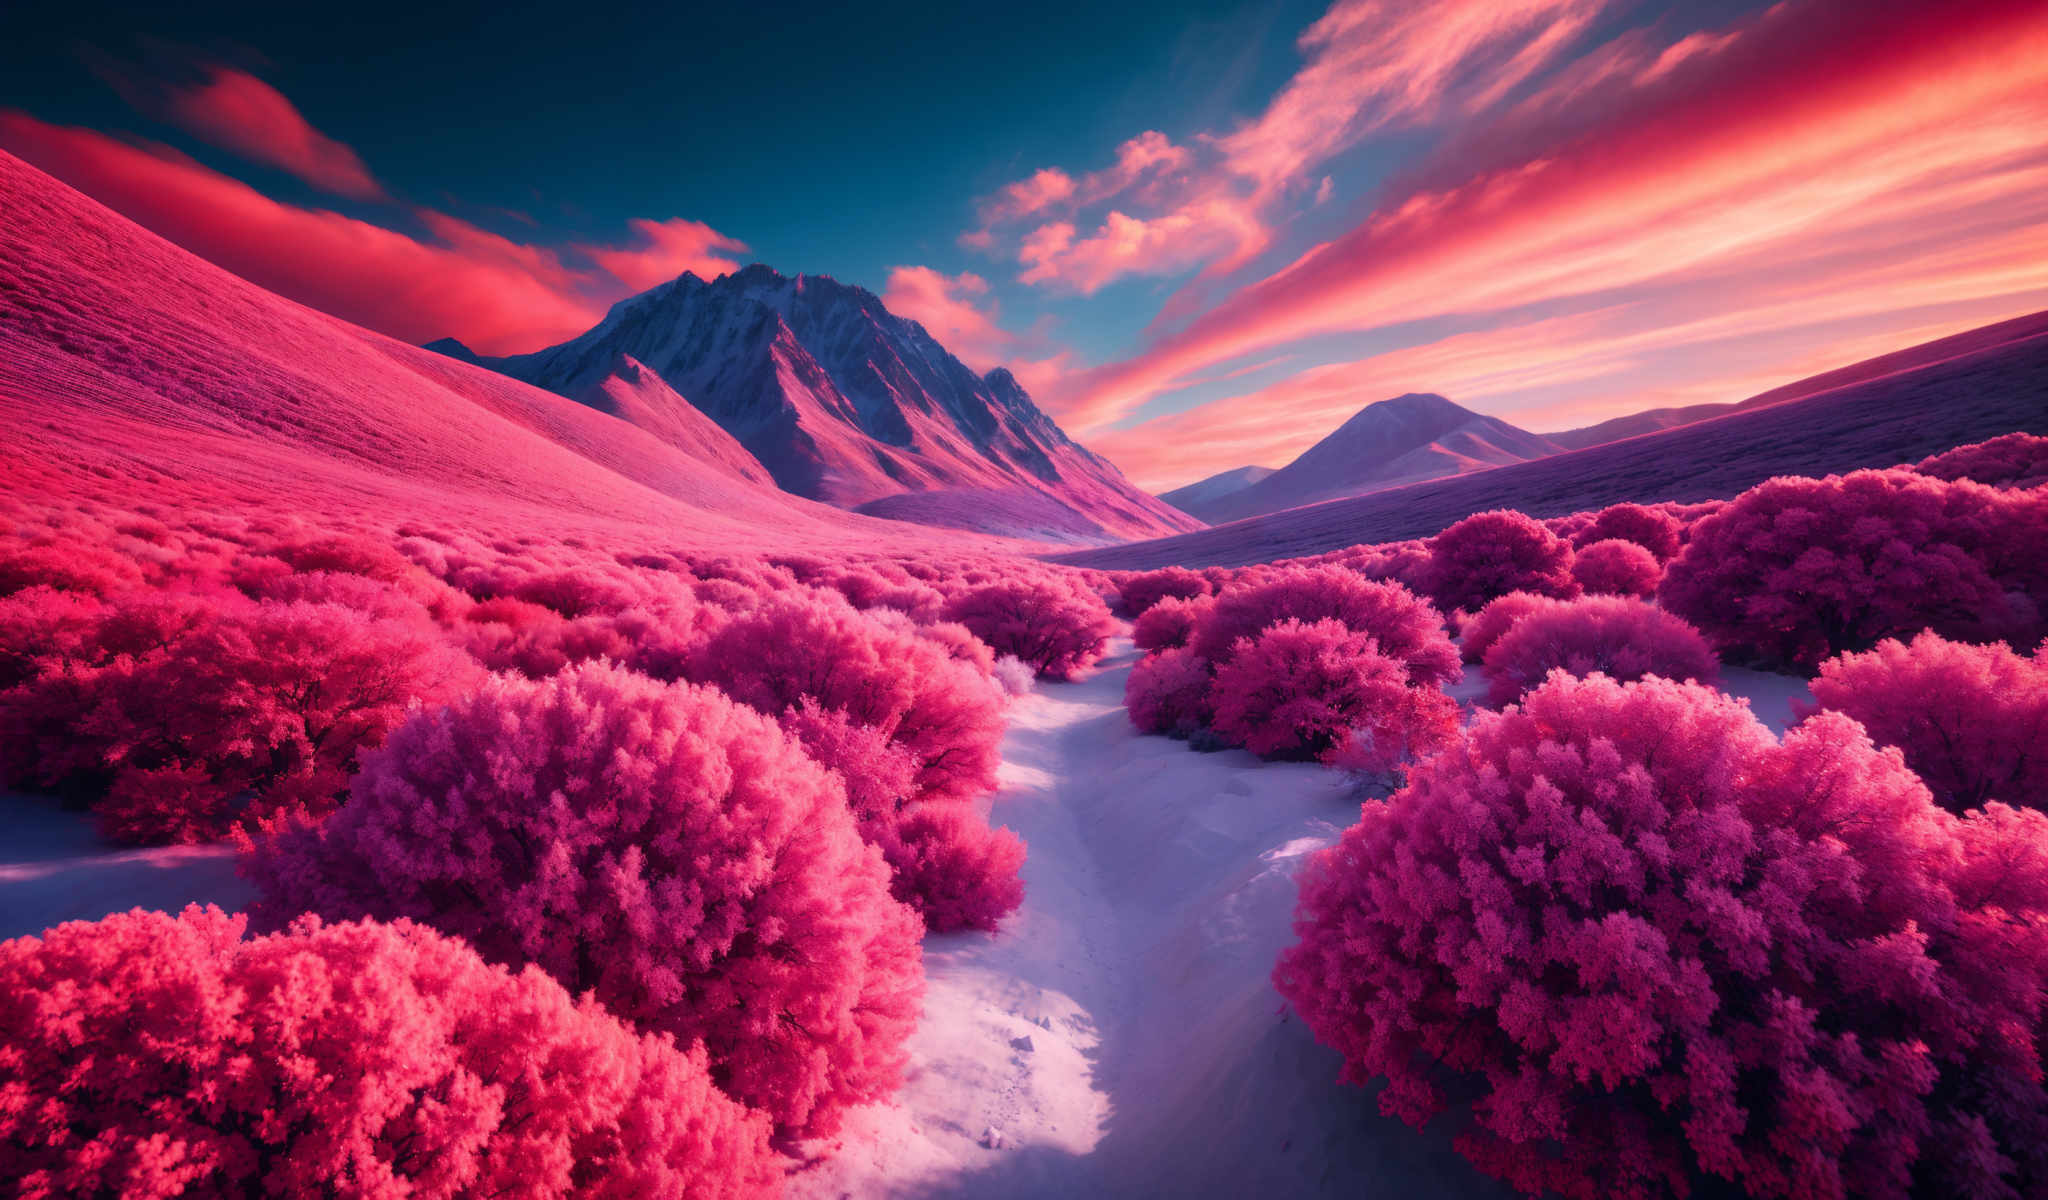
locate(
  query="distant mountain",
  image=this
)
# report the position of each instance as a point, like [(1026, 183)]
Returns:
[(1196, 496), (1402, 440), (841, 400), (1913, 357), (1885, 418)]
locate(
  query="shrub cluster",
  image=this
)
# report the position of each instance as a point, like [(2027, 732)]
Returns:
[(150, 1055), (1661, 943), (1057, 631), (1796, 570), (1489, 554), (1306, 662), (1616, 567), (2016, 460), (1972, 721), (1623, 638)]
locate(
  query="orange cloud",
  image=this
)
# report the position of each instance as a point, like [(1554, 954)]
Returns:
[(237, 111), (950, 309), (669, 248), (497, 295), (1821, 125)]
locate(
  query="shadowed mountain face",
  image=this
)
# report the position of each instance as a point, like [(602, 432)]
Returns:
[(843, 401), (1205, 493), (1409, 438)]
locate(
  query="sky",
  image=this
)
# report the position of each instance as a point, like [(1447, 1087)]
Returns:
[(1202, 234)]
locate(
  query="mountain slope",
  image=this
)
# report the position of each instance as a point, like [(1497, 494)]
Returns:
[(843, 401), (1894, 417), (133, 371), (1407, 438), (1198, 496), (638, 396), (1925, 354)]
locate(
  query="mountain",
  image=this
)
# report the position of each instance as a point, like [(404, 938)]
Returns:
[(845, 402), (1408, 438), (134, 373), (1885, 418), (1195, 496), (1926, 353)]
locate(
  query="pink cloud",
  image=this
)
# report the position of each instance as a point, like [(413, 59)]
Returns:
[(237, 111), (1212, 229), (955, 310), (497, 295), (1817, 127), (668, 249), (1042, 190)]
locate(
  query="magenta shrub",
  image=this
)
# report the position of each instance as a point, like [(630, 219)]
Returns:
[(1169, 623), (1056, 632), (1322, 691), (1795, 570), (149, 1055), (1653, 529), (2016, 460), (945, 860), (1972, 721), (1141, 591), (1168, 693), (1616, 568), (943, 712), (1489, 554), (1404, 626), (954, 869), (1485, 627), (653, 844), (1621, 637), (1659, 943)]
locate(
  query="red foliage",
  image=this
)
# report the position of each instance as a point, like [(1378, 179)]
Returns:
[(1056, 632), (1972, 721), (943, 712), (1168, 693), (954, 869), (1485, 627), (1489, 554), (1620, 637), (1616, 568), (1322, 691), (151, 1055), (1653, 529), (1169, 623), (946, 862), (1404, 626), (1795, 570), (205, 713), (2017, 460), (1660, 942), (654, 844), (1141, 591)]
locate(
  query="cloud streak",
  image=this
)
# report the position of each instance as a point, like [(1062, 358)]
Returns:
[(497, 295)]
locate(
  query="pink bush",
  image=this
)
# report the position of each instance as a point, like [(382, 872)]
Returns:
[(1661, 943), (1169, 623), (1322, 691), (2016, 460), (1795, 570), (1654, 530), (653, 844), (954, 869), (1055, 632), (1489, 554), (1404, 626), (1485, 627), (1972, 721), (1168, 693), (945, 862), (1616, 568), (151, 1055), (941, 711), (1621, 637), (1141, 591)]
